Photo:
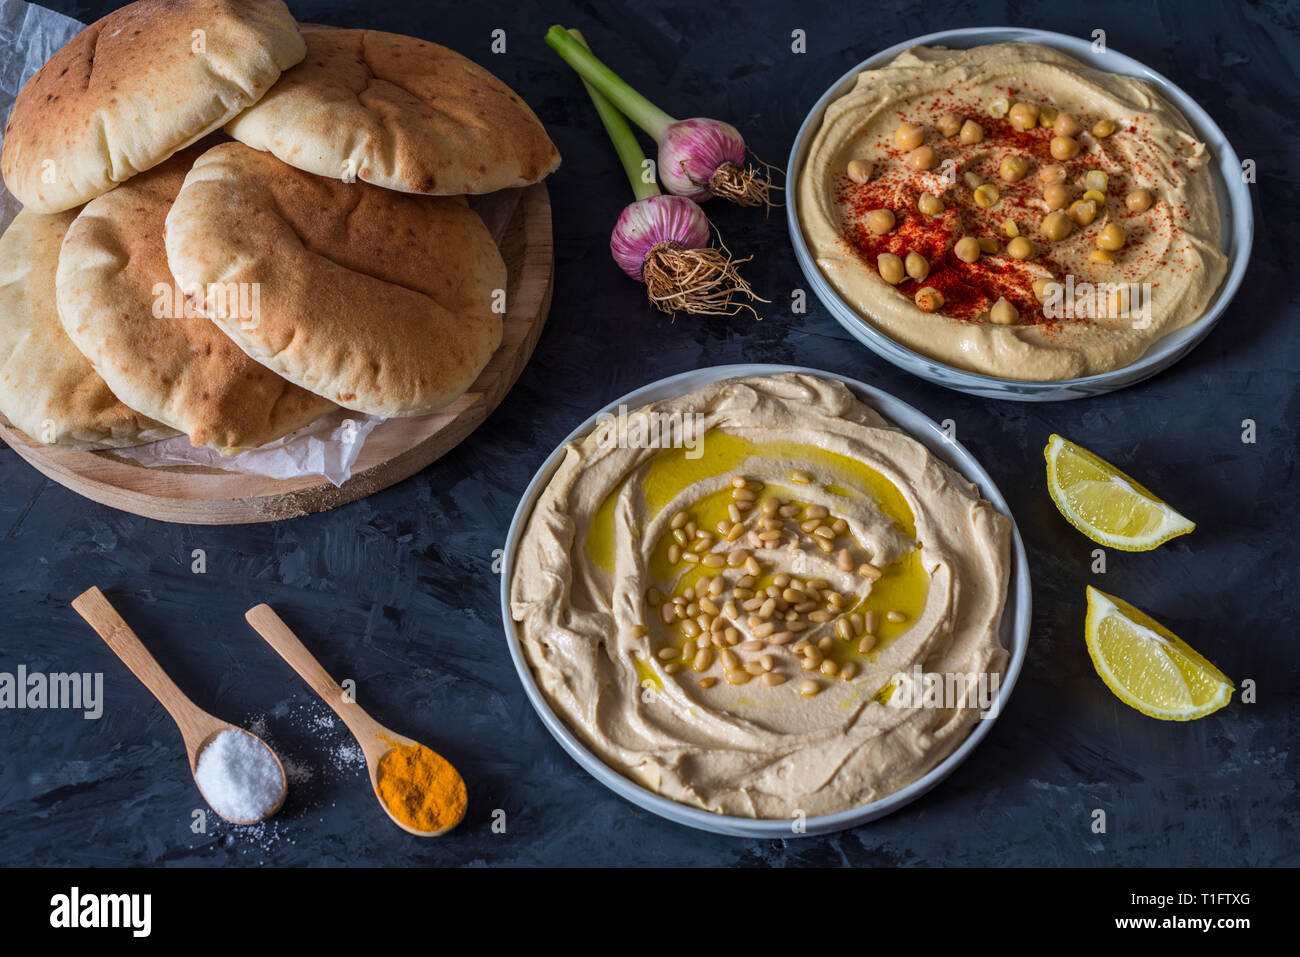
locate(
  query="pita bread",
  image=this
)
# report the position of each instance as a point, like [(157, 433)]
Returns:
[(47, 388), (378, 300), (133, 88), (118, 303), (401, 113)]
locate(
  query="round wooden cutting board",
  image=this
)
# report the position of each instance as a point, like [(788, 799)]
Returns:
[(396, 449)]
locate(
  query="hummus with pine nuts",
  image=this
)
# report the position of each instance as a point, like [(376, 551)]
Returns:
[(725, 628), (1010, 211)]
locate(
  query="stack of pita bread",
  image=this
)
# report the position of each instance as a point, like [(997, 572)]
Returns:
[(233, 225)]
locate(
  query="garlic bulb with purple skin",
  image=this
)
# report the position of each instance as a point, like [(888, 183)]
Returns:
[(699, 158), (695, 153), (651, 222)]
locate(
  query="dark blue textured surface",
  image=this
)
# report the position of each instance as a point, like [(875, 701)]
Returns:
[(398, 591)]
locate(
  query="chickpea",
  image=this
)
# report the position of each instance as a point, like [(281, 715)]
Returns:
[(1096, 197), (986, 195), (948, 124), (1064, 147), (967, 249), (1111, 237), (1102, 256), (1003, 313), (1096, 179), (1020, 248), (923, 157), (880, 221), (1011, 228), (1066, 125), (1056, 195), (1103, 128), (1013, 168), (908, 136), (988, 244), (1118, 301), (1024, 116), (1083, 211), (918, 267), (929, 299), (1047, 116), (890, 267), (972, 179), (859, 171), (1043, 287), (1056, 225), (970, 133), (1000, 107), (1052, 173), (1139, 201), (930, 204)]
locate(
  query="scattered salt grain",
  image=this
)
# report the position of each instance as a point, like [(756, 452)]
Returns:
[(239, 776)]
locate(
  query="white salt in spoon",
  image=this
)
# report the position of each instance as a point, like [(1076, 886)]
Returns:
[(198, 728)]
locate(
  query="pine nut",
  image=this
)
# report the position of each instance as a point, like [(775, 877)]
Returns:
[(738, 677), (808, 687), (680, 519), (772, 679)]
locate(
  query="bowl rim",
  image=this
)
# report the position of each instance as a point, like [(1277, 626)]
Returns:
[(1236, 210), (1014, 626)]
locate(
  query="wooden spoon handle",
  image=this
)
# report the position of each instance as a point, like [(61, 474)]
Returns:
[(92, 605), (277, 634)]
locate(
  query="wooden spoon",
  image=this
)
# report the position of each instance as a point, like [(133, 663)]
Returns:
[(375, 739), (198, 728)]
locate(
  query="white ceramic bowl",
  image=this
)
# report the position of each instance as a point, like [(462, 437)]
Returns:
[(1014, 631), (1235, 209)]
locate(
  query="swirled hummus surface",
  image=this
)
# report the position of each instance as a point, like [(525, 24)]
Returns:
[(902, 132), (723, 621)]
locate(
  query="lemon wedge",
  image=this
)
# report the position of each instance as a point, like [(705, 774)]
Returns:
[(1104, 503), (1147, 666)]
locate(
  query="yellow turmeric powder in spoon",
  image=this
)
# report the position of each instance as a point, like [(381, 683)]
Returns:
[(420, 788)]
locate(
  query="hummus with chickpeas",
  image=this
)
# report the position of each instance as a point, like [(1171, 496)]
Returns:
[(726, 625), (1010, 211)]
